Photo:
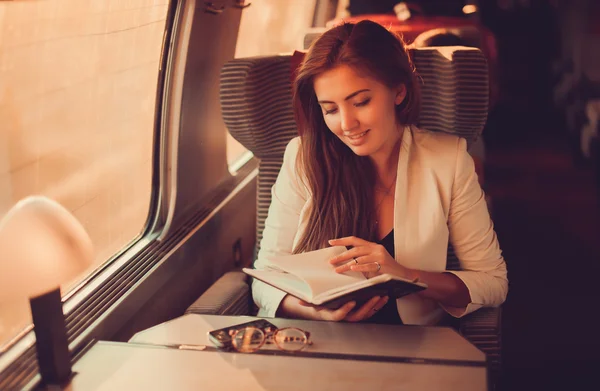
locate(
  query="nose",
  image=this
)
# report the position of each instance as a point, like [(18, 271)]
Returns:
[(348, 121)]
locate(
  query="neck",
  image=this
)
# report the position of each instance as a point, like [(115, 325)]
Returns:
[(386, 160)]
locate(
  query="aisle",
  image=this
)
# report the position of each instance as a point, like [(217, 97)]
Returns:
[(547, 216)]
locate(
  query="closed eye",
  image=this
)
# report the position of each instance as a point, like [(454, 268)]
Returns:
[(363, 103), (358, 104)]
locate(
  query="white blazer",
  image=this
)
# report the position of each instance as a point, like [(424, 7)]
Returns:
[(438, 199)]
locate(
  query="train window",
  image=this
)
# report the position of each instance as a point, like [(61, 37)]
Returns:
[(78, 81), (269, 27)]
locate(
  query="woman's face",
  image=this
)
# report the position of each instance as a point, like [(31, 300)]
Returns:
[(359, 110)]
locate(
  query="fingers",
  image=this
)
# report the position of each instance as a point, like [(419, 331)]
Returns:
[(371, 267), (367, 263), (350, 254), (345, 267), (336, 315), (348, 241), (378, 306), (368, 309)]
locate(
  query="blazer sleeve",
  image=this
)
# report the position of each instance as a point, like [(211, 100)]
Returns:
[(288, 197), (472, 235)]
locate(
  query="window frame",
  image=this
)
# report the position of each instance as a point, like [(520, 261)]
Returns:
[(127, 275), (77, 299)]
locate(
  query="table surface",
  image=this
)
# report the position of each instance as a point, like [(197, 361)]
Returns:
[(119, 366), (435, 344)]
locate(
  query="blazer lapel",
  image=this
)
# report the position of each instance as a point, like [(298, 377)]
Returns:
[(401, 197)]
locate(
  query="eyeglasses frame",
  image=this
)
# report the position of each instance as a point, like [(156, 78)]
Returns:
[(269, 338)]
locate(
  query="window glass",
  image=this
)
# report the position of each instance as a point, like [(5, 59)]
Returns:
[(270, 27), (78, 83)]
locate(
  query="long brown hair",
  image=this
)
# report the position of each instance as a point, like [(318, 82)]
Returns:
[(342, 183)]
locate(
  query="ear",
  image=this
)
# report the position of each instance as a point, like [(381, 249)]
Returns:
[(400, 94)]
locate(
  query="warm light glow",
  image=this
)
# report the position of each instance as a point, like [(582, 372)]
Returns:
[(469, 9), (402, 11), (42, 245)]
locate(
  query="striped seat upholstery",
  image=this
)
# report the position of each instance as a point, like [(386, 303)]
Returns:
[(256, 100), (454, 90)]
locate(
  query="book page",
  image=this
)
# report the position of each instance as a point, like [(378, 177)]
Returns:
[(314, 268), (284, 281)]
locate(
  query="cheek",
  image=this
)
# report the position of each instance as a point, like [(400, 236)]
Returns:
[(380, 116), (332, 123)]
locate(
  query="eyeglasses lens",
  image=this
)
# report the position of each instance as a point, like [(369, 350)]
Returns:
[(248, 339), (290, 339)]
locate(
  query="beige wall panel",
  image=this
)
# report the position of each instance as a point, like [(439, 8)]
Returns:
[(274, 26), (270, 27)]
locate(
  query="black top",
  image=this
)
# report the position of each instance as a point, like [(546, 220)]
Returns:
[(388, 314)]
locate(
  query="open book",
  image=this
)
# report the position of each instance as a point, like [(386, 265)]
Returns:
[(310, 277)]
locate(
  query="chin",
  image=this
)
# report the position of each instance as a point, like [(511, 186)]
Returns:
[(362, 150)]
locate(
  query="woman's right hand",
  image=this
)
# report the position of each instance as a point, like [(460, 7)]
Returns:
[(293, 307)]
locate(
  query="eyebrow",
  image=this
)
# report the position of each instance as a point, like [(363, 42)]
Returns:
[(352, 95)]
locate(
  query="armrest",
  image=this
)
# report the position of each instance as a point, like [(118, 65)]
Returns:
[(483, 328), (229, 295)]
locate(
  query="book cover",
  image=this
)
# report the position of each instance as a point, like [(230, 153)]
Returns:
[(310, 277)]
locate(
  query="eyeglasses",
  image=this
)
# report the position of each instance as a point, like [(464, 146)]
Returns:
[(250, 339)]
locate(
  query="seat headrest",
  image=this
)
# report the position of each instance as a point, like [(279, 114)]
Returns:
[(256, 97), (256, 102), (455, 90)]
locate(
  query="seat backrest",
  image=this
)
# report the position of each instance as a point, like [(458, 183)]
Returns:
[(256, 101)]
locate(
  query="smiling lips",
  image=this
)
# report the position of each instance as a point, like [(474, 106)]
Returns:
[(358, 139)]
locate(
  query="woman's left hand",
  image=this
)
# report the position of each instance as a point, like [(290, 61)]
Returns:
[(369, 258)]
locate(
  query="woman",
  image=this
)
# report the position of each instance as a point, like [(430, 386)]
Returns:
[(363, 175)]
